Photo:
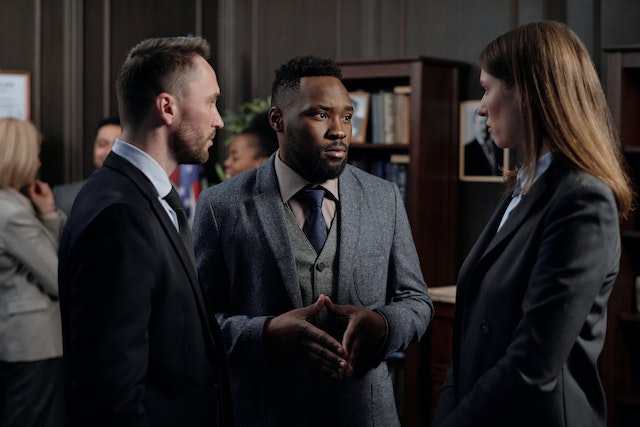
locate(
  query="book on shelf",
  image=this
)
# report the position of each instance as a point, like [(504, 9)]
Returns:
[(390, 116), (396, 170)]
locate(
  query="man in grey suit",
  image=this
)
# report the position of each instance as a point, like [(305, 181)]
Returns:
[(309, 320)]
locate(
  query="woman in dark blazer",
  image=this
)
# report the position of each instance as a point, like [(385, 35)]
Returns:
[(30, 331), (530, 315)]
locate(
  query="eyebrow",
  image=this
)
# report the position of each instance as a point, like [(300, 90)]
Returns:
[(327, 108)]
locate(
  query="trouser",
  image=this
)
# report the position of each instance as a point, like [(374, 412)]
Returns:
[(32, 394)]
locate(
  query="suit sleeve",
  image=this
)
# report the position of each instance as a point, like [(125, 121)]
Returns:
[(446, 400), (242, 334), (408, 307), (30, 242), (565, 298), (109, 281)]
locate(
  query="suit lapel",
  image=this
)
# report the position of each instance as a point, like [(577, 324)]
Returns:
[(349, 214), (124, 167), (271, 214), (489, 240)]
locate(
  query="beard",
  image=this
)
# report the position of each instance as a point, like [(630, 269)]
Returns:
[(189, 144), (311, 165)]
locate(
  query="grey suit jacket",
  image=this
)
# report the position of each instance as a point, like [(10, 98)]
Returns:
[(65, 195), (530, 315), (246, 265), (29, 311)]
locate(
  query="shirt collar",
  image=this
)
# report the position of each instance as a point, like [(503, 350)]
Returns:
[(147, 165), (291, 182), (543, 164)]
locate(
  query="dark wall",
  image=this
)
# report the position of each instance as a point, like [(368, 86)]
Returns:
[(73, 49)]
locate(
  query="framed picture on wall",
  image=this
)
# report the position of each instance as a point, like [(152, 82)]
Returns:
[(480, 158), (15, 94), (360, 101)]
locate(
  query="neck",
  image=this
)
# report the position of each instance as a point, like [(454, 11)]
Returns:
[(156, 144)]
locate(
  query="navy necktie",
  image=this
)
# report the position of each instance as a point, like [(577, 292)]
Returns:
[(173, 199), (316, 226)]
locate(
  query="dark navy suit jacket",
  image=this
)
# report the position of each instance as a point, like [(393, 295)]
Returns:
[(140, 348)]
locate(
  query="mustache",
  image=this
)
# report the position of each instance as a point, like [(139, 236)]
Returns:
[(338, 144)]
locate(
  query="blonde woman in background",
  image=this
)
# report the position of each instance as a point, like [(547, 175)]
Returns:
[(30, 331)]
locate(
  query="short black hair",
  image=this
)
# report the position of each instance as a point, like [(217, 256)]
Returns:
[(111, 120), (288, 76), (267, 139)]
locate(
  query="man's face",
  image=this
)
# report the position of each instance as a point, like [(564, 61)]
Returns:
[(480, 127), (103, 143), (316, 129), (198, 117)]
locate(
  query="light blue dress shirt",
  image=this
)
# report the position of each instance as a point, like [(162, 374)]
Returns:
[(521, 181), (151, 169)]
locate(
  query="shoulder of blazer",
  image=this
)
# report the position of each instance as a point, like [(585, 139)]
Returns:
[(12, 207), (126, 168)]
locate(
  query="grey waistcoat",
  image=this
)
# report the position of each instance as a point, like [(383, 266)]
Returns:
[(317, 273)]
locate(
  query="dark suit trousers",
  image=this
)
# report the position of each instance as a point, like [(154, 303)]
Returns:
[(32, 394)]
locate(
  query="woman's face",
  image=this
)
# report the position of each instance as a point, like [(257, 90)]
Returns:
[(243, 155), (500, 105)]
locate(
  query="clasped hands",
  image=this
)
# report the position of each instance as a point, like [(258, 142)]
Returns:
[(292, 335)]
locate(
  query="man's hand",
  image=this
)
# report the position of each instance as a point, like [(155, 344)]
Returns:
[(291, 335), (365, 334)]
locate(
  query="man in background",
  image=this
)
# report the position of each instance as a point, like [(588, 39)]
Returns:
[(139, 346), (107, 131)]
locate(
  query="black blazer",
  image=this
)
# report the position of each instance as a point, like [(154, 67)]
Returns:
[(530, 315), (140, 348)]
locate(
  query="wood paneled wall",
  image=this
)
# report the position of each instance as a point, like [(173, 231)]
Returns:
[(73, 48)]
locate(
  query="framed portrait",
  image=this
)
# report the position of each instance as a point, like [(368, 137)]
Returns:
[(15, 94), (360, 101), (480, 158)]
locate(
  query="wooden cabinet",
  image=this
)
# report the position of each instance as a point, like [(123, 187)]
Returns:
[(620, 360), (434, 88)]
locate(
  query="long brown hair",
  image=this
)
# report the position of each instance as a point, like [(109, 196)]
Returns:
[(562, 102)]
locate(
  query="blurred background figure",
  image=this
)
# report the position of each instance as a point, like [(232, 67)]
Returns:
[(30, 330), (251, 147), (107, 131)]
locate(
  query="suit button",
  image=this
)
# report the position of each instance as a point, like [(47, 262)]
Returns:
[(485, 327), (320, 266), (213, 384)]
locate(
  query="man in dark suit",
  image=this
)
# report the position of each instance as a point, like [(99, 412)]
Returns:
[(139, 347), (295, 357), (481, 156)]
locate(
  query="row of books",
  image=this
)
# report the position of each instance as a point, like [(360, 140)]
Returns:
[(390, 116), (396, 170)]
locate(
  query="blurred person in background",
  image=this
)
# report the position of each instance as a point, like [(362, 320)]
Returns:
[(107, 131), (30, 330), (251, 147)]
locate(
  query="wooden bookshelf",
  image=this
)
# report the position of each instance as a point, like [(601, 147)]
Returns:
[(434, 88), (619, 363)]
